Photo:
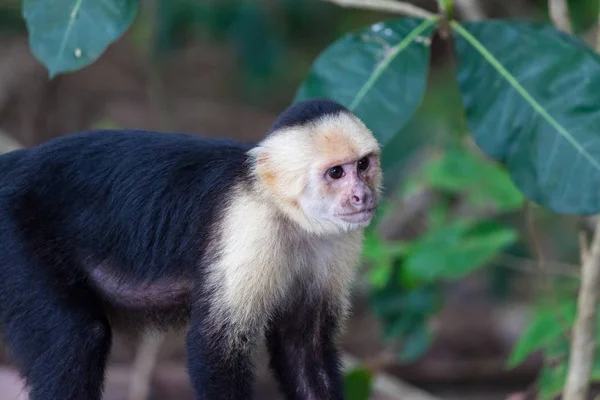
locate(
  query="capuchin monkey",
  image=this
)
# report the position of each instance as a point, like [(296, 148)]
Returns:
[(237, 242)]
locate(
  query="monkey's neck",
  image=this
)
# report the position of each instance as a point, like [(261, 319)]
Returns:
[(289, 213), (263, 258)]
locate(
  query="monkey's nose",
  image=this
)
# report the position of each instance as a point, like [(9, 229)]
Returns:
[(360, 198)]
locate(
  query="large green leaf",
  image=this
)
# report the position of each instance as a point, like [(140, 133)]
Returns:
[(380, 73), (66, 35), (532, 99)]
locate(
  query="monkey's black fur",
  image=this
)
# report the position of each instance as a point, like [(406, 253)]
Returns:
[(303, 355), (143, 202), (304, 112), (140, 205)]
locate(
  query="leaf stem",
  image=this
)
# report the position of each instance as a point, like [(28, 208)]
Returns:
[(397, 7), (446, 8)]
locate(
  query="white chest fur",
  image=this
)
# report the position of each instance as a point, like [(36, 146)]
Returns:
[(262, 260)]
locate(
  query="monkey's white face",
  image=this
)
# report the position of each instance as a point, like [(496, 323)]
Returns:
[(325, 175), (343, 194)]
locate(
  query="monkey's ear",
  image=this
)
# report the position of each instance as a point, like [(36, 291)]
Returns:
[(277, 173), (265, 171)]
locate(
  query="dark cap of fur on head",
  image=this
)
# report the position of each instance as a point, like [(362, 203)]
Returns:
[(305, 112)]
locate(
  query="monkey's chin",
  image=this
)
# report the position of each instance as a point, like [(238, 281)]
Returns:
[(362, 217)]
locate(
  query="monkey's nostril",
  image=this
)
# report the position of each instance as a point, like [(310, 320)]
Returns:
[(356, 199)]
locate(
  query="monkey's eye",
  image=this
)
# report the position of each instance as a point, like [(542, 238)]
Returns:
[(363, 164), (336, 172)]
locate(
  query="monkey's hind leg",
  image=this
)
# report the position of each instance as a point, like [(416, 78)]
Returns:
[(56, 334)]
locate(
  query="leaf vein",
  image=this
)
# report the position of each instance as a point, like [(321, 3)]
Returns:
[(524, 93), (395, 50), (63, 43)]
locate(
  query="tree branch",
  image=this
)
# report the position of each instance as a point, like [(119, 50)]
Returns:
[(397, 7), (584, 248), (559, 13), (583, 344), (532, 266)]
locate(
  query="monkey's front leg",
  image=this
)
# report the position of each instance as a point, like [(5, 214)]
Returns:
[(303, 354), (219, 368)]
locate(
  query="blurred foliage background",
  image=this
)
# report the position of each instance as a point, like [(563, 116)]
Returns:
[(451, 297)]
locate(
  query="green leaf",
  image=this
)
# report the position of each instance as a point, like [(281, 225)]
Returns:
[(399, 325), (373, 246), (532, 100), (380, 273), (379, 73), (415, 345), (66, 35), (551, 381), (596, 366), (402, 310), (455, 250), (545, 328), (400, 149), (439, 107), (377, 253), (437, 214), (548, 331), (584, 14), (484, 182), (358, 384), (402, 301)]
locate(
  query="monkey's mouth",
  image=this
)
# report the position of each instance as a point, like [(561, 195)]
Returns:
[(361, 216)]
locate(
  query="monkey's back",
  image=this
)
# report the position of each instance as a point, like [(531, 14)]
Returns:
[(140, 202)]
